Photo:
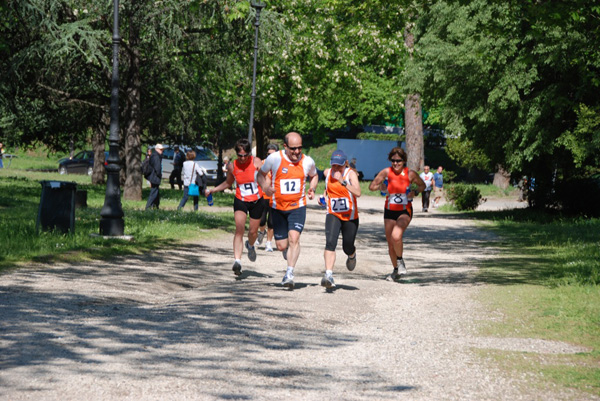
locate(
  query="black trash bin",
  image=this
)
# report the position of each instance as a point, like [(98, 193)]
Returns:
[(57, 206)]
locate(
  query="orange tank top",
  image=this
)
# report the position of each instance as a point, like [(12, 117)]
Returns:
[(289, 184), (397, 185), (341, 203), (246, 188)]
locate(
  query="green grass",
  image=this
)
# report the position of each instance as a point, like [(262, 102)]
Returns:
[(321, 154), (20, 193), (545, 284)]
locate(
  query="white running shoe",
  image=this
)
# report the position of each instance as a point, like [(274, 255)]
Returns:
[(268, 246), (251, 252), (261, 236), (288, 280), (327, 281), (401, 267)]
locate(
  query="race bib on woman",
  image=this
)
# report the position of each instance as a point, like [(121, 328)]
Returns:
[(398, 199), (339, 205)]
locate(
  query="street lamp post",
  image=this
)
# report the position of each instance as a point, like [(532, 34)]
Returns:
[(258, 8), (112, 222)]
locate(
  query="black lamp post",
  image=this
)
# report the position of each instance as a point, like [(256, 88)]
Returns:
[(112, 222), (258, 8)]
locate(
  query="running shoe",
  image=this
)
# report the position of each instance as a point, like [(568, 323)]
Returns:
[(401, 267), (327, 281), (288, 280), (237, 268), (351, 263), (251, 252), (261, 236), (284, 253), (268, 246), (394, 275)]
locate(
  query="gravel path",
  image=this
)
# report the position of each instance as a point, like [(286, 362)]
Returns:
[(177, 324)]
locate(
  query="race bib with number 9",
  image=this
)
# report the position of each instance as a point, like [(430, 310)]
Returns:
[(248, 188), (398, 199), (339, 205), (290, 186)]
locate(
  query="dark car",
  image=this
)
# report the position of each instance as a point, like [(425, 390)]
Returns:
[(81, 163)]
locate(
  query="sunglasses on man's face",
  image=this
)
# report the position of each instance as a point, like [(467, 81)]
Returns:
[(294, 148)]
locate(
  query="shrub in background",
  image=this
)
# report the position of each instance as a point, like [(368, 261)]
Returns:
[(380, 137), (464, 197)]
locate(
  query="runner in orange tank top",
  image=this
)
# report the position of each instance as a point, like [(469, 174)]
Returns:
[(287, 187), (248, 201), (342, 190), (403, 184)]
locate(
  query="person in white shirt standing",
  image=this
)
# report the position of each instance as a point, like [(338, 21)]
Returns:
[(427, 177)]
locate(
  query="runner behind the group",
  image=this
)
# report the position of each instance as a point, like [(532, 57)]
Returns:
[(266, 221), (290, 168), (248, 200), (341, 190), (398, 210)]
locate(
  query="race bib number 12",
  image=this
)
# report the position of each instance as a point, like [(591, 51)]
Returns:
[(290, 186)]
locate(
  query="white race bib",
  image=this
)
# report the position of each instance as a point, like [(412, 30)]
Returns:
[(398, 199), (249, 188), (290, 186), (339, 205)]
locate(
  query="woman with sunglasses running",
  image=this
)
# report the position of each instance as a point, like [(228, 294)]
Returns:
[(248, 200), (402, 185)]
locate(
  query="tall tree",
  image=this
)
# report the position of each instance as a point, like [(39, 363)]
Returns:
[(518, 80)]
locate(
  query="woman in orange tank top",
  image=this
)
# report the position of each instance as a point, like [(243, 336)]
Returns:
[(402, 185), (342, 189), (248, 201)]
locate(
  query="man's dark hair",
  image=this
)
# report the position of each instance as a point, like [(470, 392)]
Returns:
[(243, 144)]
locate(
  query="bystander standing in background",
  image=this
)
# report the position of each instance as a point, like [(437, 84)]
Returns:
[(427, 177), (155, 177), (438, 186)]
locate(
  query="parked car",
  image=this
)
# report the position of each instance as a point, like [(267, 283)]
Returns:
[(81, 163), (204, 158)]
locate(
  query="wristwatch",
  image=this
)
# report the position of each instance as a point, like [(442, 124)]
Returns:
[(344, 183)]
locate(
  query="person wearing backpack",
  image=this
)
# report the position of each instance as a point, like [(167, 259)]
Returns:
[(192, 174), (155, 177)]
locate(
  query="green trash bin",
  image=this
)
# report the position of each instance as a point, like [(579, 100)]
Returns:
[(57, 207)]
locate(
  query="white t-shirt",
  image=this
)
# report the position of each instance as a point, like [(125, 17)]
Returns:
[(428, 179), (188, 170)]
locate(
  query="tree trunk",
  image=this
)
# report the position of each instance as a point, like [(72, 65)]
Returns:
[(413, 117), (413, 121), (98, 145), (501, 177), (132, 190), (263, 129)]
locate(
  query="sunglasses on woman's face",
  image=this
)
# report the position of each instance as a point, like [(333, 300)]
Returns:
[(242, 155), (396, 160)]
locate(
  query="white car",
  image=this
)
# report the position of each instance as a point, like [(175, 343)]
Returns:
[(204, 158)]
